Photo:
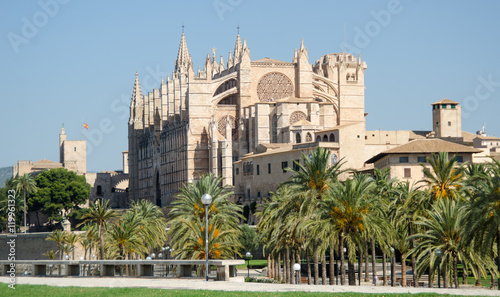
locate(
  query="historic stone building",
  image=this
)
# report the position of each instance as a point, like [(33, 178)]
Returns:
[(201, 122)]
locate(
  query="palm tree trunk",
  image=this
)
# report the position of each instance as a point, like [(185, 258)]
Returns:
[(444, 271), (393, 269), (316, 265), (416, 276), (352, 272), (101, 241), (465, 274), (374, 260), (455, 272), (308, 256), (24, 194), (367, 269), (403, 269), (292, 271), (384, 268), (323, 270), (360, 265), (431, 278), (286, 263), (342, 260), (478, 278), (413, 259), (332, 265), (279, 267), (269, 265)]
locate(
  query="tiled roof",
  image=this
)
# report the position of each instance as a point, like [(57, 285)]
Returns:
[(426, 146), (445, 101)]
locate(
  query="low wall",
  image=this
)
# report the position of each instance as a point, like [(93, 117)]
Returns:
[(31, 246)]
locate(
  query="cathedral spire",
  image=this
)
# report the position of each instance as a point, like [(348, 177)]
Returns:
[(136, 102), (183, 57)]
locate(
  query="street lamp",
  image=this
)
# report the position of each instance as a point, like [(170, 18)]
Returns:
[(439, 253), (206, 199), (296, 267), (248, 254)]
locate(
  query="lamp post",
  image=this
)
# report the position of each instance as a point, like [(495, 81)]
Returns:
[(249, 255), (206, 199), (439, 253), (296, 267)]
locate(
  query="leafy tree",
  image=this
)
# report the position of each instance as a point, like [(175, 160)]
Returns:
[(59, 193), (27, 185), (249, 239)]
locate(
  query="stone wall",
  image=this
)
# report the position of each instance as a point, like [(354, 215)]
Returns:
[(32, 246)]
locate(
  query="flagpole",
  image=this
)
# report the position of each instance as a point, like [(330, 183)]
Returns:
[(82, 130)]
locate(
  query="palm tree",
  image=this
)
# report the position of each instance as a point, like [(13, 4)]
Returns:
[(71, 240), (153, 224), (446, 178), (313, 179), (444, 229), (59, 237), (28, 185), (351, 209), (484, 217), (187, 217), (100, 214)]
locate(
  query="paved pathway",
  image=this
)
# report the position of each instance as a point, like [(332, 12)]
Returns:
[(236, 284)]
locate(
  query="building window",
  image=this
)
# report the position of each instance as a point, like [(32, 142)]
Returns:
[(284, 165), (269, 168), (296, 165), (325, 138), (99, 190), (75, 148), (237, 171), (318, 138), (258, 169), (422, 159), (460, 159), (443, 106), (297, 138), (449, 124), (403, 159), (452, 106), (274, 129), (258, 194), (332, 138), (407, 173), (308, 137)]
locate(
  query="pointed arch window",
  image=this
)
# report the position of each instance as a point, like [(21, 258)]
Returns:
[(308, 137), (332, 137), (298, 138)]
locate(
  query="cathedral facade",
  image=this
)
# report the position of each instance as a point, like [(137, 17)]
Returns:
[(211, 119)]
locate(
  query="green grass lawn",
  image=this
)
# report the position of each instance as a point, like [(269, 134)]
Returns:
[(254, 263), (38, 290)]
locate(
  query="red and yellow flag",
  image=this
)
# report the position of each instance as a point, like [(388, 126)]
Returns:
[(85, 126)]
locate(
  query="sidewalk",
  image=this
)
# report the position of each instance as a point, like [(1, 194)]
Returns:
[(236, 284)]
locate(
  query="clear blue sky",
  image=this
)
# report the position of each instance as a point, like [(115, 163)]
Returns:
[(75, 61)]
